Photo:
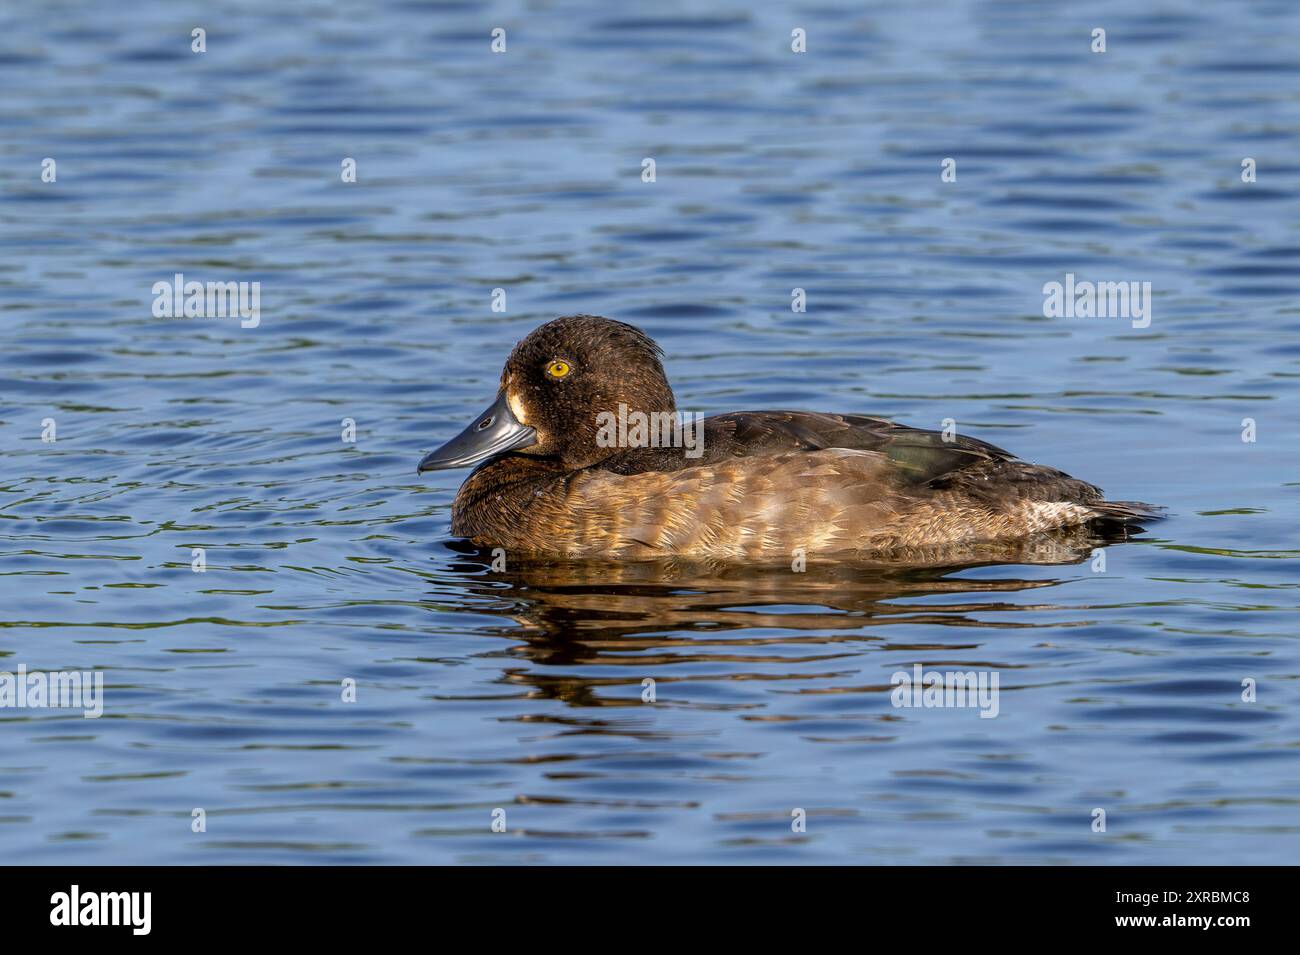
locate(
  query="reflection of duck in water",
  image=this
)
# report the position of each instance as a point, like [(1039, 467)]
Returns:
[(742, 623), (754, 485), (653, 597)]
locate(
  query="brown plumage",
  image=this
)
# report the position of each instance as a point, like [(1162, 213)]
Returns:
[(768, 486)]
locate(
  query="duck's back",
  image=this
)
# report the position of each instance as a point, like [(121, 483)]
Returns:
[(772, 484)]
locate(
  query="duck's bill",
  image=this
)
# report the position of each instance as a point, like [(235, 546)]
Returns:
[(494, 432)]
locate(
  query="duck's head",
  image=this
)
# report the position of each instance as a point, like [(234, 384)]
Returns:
[(554, 388)]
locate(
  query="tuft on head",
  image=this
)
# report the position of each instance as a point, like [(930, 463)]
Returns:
[(591, 334), (611, 363)]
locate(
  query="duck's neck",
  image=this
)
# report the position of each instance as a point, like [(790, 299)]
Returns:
[(490, 506)]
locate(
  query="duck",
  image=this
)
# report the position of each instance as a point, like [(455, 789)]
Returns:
[(564, 467)]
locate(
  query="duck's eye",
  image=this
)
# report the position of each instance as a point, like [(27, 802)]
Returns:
[(558, 368)]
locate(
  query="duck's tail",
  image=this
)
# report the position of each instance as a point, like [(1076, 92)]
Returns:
[(1124, 516)]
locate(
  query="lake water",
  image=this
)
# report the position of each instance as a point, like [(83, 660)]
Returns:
[(1121, 689)]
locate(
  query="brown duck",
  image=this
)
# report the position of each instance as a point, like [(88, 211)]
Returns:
[(568, 468)]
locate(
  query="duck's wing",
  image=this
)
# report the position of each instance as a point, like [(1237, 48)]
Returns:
[(921, 464), (916, 455)]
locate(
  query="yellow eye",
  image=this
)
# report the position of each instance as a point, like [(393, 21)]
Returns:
[(558, 368)]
